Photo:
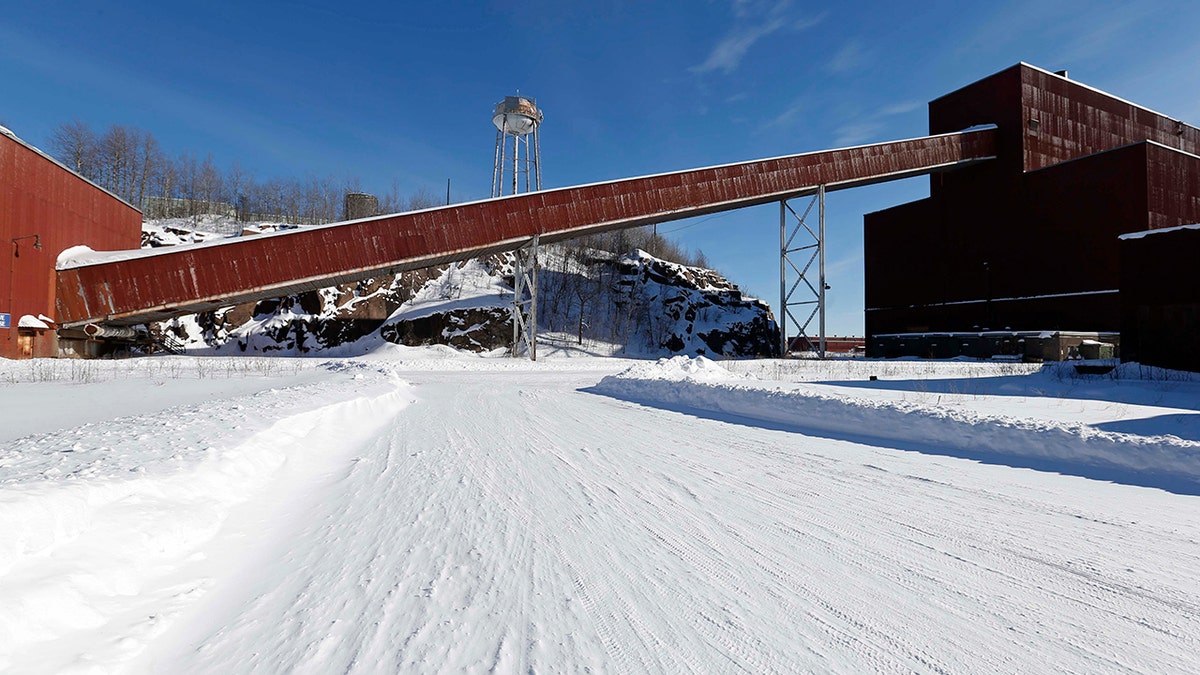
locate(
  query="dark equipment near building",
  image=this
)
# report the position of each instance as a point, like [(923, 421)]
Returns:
[(1160, 298)]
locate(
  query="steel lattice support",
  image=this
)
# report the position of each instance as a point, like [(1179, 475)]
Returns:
[(524, 309), (800, 259)]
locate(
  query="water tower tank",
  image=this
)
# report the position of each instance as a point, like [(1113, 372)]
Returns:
[(516, 115)]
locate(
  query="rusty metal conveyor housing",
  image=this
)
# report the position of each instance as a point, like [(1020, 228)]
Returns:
[(146, 286)]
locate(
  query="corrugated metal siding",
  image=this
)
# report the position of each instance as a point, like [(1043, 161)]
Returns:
[(39, 197), (1174, 187), (197, 278), (1075, 120)]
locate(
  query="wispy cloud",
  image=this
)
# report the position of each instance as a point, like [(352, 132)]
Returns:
[(850, 262), (898, 108), (857, 133), (849, 57), (809, 22), (754, 21), (866, 128), (728, 53), (790, 113)]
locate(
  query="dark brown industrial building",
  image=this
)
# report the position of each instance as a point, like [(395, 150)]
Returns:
[(1028, 242), (44, 209)]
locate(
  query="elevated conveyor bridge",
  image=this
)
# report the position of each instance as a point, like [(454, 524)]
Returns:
[(138, 287)]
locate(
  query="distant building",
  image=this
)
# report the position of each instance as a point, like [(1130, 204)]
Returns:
[(360, 205), (833, 344)]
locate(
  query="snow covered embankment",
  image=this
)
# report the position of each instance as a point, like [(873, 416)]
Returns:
[(92, 563), (703, 385)]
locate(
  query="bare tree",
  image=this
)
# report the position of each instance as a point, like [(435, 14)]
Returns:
[(392, 202), (423, 198), (74, 144), (151, 163), (236, 182), (588, 288), (117, 150), (209, 184)]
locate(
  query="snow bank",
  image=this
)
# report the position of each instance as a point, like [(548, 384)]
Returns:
[(682, 369), (696, 386), (98, 522)]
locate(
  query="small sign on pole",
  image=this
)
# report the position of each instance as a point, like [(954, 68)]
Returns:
[(5, 320)]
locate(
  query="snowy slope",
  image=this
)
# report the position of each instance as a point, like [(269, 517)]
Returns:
[(418, 511)]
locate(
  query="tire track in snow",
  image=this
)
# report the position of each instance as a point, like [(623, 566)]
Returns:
[(556, 530)]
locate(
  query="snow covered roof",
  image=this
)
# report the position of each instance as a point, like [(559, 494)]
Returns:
[(1144, 233), (31, 321)]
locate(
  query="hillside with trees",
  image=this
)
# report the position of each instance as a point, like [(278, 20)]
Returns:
[(130, 163)]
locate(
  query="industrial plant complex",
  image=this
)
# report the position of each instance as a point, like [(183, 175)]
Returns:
[(1058, 225), (1030, 242)]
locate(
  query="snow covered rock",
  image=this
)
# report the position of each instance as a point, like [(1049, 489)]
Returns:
[(637, 303), (693, 310)]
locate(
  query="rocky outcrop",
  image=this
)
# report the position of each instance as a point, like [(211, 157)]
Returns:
[(693, 310), (635, 303), (475, 329)]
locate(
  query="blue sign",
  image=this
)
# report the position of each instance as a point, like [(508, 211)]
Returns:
[(5, 320)]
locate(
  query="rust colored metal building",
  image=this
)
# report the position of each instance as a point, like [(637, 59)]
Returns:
[(45, 209), (1029, 242), (1160, 298)]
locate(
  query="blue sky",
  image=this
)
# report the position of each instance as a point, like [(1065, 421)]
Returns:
[(403, 92)]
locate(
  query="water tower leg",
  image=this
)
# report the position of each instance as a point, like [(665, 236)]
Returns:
[(498, 166)]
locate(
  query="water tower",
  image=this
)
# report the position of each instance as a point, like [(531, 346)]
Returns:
[(516, 118)]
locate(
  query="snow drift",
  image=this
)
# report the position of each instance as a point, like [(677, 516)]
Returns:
[(702, 385), (98, 522)]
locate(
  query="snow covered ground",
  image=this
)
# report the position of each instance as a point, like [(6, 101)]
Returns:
[(419, 510)]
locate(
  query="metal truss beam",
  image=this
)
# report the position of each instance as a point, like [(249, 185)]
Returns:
[(799, 259), (525, 295)]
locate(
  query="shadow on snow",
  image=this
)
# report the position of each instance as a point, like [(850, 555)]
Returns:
[(1183, 485)]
